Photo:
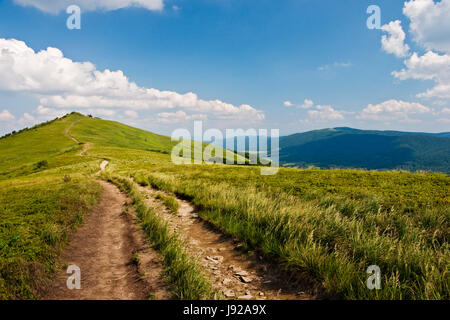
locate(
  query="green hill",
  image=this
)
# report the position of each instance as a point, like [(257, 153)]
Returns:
[(368, 149), (59, 142), (328, 224), (114, 134)]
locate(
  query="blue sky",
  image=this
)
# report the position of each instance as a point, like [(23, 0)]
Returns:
[(295, 65)]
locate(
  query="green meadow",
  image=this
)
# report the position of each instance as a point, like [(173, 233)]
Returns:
[(329, 224)]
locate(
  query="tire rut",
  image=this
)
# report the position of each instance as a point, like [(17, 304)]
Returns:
[(238, 275), (103, 249)]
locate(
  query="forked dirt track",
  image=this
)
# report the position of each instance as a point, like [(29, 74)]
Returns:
[(238, 275), (103, 249), (115, 261)]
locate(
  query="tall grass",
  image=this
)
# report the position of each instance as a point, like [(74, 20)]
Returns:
[(169, 201), (333, 239), (182, 270), (332, 224), (36, 217)]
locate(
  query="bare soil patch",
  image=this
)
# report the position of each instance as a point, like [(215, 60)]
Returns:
[(103, 248)]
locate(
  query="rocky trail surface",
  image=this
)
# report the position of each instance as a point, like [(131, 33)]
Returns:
[(238, 275)]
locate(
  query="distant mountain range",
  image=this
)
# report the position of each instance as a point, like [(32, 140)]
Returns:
[(366, 149)]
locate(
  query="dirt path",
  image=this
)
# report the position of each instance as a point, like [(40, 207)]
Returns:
[(86, 146), (236, 274), (112, 254), (103, 166), (67, 133)]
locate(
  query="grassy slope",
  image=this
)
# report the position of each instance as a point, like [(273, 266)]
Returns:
[(331, 224), (113, 134), (47, 187), (40, 206), (20, 153), (329, 235)]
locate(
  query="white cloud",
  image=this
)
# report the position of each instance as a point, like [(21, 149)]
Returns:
[(5, 115), (59, 82), (430, 66), (307, 104), (342, 64), (101, 112), (131, 114), (430, 23), (42, 113), (393, 110), (27, 118), (446, 113), (318, 112), (50, 113), (395, 42), (179, 116), (56, 6), (334, 65), (325, 113)]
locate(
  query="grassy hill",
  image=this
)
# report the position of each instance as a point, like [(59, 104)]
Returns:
[(59, 142), (368, 149), (114, 134), (330, 224)]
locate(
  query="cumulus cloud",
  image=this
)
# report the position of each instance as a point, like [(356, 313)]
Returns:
[(40, 114), (179, 116), (318, 113), (101, 112), (27, 118), (131, 114), (430, 22), (59, 82), (49, 112), (429, 25), (56, 6), (306, 104), (325, 113), (394, 43), (393, 110), (430, 66), (5, 115)]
